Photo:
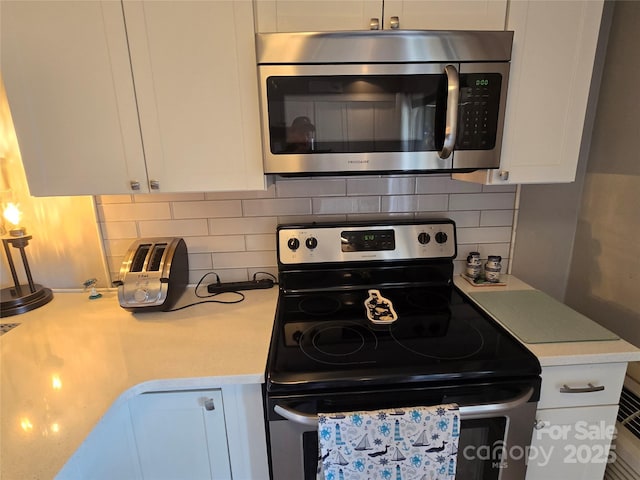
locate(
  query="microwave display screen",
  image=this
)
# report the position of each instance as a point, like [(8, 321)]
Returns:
[(379, 113)]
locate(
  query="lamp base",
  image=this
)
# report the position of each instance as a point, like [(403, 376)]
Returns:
[(16, 301)]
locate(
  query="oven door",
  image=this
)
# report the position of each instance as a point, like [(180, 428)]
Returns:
[(382, 117), (494, 436)]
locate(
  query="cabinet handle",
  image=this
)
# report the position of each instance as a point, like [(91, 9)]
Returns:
[(504, 174), (154, 184), (209, 405), (134, 185), (394, 23), (374, 24), (589, 389)]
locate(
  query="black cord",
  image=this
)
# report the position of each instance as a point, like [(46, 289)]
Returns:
[(275, 279), (199, 284)]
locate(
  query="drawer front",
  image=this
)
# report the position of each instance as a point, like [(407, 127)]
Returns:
[(581, 385)]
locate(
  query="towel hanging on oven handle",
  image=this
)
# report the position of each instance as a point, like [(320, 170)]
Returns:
[(466, 413)]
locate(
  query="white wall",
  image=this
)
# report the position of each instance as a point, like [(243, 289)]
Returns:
[(579, 242), (604, 279)]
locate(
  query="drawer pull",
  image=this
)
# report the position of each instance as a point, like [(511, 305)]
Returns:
[(589, 389)]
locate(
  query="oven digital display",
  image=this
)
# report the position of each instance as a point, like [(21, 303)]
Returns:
[(367, 240)]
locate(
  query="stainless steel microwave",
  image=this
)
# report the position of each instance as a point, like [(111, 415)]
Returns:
[(382, 101)]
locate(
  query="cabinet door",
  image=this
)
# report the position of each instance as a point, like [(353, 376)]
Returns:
[(68, 79), (181, 435), (554, 50), (446, 15), (194, 70), (571, 443), (316, 15)]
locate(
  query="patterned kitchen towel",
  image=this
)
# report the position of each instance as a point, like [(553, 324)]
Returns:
[(417, 443)]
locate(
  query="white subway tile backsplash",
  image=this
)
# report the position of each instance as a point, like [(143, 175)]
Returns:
[(200, 261), (134, 211), (311, 188), (399, 203), (496, 218), (481, 201), (218, 243), (261, 242), (331, 205), (433, 203), (484, 235), (244, 259), (381, 186), (207, 209), (461, 219), (233, 233), (118, 230), (444, 184), (244, 225), (173, 228), (276, 206), (269, 192)]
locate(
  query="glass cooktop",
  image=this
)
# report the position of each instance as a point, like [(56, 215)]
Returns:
[(325, 340)]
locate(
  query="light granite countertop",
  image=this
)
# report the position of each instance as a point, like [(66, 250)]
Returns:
[(71, 360)]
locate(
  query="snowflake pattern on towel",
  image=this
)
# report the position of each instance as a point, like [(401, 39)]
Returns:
[(417, 443)]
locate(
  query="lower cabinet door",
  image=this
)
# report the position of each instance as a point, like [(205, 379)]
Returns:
[(571, 443), (181, 435)]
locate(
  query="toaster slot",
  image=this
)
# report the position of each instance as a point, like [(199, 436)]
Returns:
[(138, 259), (156, 257)]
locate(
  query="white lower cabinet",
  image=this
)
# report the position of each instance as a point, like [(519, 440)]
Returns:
[(575, 422), (181, 435), (205, 434)]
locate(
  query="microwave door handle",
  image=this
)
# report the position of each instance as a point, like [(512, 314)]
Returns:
[(487, 410), (451, 125)]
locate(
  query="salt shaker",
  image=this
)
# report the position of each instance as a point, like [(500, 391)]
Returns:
[(474, 264), (492, 268)]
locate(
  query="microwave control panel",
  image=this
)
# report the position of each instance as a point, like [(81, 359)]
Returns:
[(478, 111)]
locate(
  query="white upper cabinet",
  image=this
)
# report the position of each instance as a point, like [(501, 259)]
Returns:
[(107, 95), (445, 14), (554, 50), (68, 78), (329, 15)]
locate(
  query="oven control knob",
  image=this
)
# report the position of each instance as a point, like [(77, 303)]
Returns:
[(293, 243), (441, 237), (311, 243), (424, 238)]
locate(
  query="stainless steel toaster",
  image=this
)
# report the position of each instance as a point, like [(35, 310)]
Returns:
[(153, 275)]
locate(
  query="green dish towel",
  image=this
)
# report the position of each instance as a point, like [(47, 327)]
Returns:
[(535, 317)]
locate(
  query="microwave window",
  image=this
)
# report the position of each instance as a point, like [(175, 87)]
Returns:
[(378, 113)]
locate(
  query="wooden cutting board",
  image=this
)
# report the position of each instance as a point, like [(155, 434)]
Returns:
[(535, 317)]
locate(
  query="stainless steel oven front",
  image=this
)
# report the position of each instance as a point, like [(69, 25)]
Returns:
[(496, 428)]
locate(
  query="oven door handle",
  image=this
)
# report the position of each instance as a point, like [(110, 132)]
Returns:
[(471, 412)]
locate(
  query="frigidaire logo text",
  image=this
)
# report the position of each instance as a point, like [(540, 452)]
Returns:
[(358, 161)]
